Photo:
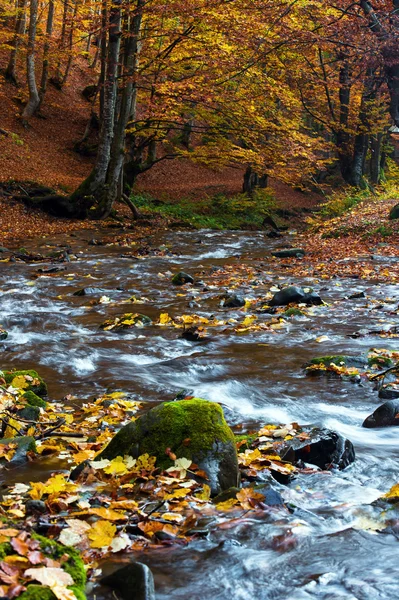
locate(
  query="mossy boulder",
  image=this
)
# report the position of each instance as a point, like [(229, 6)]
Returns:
[(74, 565), (341, 360), (194, 429), (34, 400), (182, 278), (394, 213), (27, 380), (293, 312)]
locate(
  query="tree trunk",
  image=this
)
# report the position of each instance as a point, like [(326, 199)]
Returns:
[(46, 49), (11, 73), (131, 54), (34, 100), (71, 32), (57, 79), (376, 158), (251, 181)]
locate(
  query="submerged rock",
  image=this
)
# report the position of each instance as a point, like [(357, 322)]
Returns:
[(289, 253), (340, 360), (182, 278), (126, 321), (321, 447), (135, 581), (27, 380), (295, 295), (386, 415), (233, 301), (195, 429), (388, 393)]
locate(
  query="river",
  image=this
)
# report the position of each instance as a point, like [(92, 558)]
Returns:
[(336, 550)]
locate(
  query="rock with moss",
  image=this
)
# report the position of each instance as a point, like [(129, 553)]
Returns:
[(182, 278), (394, 213), (293, 312), (71, 564), (33, 399), (195, 429), (27, 380), (3, 334), (340, 360)]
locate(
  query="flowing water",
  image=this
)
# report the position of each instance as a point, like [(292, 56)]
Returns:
[(328, 547)]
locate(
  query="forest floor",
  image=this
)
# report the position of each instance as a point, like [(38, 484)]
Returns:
[(43, 153)]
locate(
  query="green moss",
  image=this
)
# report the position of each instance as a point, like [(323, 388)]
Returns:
[(34, 400), (380, 362), (293, 312), (337, 359), (248, 438), (188, 427), (39, 388), (74, 566)]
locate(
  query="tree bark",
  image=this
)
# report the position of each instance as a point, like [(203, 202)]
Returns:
[(46, 49), (34, 99), (11, 73)]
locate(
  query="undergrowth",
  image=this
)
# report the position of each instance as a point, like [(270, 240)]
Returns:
[(216, 212)]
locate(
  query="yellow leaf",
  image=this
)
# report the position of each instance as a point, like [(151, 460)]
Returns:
[(205, 494), (107, 513), (37, 490), (227, 505), (116, 467), (248, 321), (58, 484), (164, 319), (101, 534), (80, 457), (19, 382), (179, 493), (393, 493)]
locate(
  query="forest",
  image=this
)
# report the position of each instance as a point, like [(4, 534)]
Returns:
[(199, 262)]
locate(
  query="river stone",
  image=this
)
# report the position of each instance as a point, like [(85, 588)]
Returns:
[(388, 393), (324, 448), (90, 291), (33, 382), (233, 301), (289, 253), (3, 334), (192, 428), (340, 360), (394, 214), (385, 415), (24, 444), (293, 294), (182, 278), (134, 582)]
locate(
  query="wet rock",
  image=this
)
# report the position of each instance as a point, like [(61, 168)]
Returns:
[(35, 507), (388, 393), (357, 296), (394, 214), (233, 301), (274, 234), (386, 415), (29, 413), (134, 582), (194, 428), (289, 253), (271, 496), (24, 444), (89, 291), (195, 334), (294, 295), (28, 380), (51, 270), (322, 447), (125, 321), (3, 334), (182, 278), (341, 360)]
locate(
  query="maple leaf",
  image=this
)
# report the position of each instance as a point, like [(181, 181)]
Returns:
[(101, 534), (19, 382), (58, 484)]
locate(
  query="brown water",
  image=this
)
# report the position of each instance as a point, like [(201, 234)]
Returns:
[(256, 376)]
